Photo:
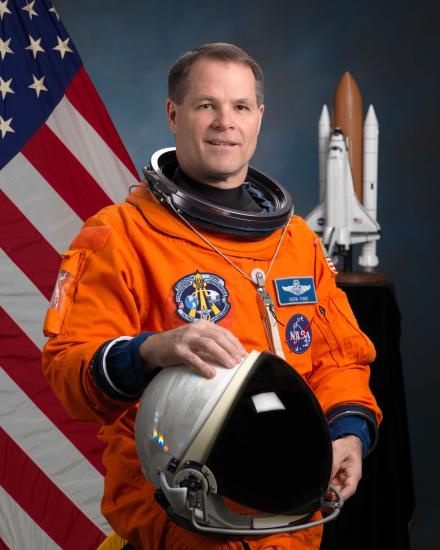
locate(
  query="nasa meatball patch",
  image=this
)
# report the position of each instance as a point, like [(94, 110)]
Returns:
[(201, 296), (299, 333)]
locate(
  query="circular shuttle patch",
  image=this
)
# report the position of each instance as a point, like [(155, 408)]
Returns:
[(201, 296), (298, 333)]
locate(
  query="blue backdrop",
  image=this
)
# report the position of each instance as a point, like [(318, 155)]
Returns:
[(392, 49)]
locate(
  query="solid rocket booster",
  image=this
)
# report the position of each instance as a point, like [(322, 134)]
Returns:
[(368, 258), (347, 115), (324, 131), (371, 150)]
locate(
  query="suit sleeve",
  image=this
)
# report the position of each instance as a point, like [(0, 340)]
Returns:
[(99, 295), (341, 352)]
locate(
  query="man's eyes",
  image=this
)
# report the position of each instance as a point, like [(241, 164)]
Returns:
[(207, 106)]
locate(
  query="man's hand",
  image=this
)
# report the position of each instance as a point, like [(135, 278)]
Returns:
[(347, 465), (194, 345)]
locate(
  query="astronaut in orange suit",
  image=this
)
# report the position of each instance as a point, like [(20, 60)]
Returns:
[(139, 274)]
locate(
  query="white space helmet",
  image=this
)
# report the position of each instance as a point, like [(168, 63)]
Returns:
[(247, 452)]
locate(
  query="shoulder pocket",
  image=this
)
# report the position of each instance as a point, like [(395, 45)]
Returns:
[(346, 342), (72, 265)]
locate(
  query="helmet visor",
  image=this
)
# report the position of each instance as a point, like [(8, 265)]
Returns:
[(273, 453)]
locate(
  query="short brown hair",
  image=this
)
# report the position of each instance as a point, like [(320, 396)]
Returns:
[(220, 51)]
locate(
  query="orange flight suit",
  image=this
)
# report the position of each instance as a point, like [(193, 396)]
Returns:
[(119, 278)]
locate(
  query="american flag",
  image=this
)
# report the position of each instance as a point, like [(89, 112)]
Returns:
[(61, 160), (329, 261)]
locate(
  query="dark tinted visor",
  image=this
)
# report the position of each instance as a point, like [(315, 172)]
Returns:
[(274, 451)]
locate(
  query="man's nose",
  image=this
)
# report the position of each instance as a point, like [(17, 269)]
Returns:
[(223, 119)]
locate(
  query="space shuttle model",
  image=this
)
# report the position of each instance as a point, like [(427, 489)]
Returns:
[(348, 156)]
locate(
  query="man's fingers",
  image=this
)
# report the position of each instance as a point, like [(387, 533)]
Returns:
[(214, 351), (237, 346), (196, 345), (215, 340), (223, 337), (202, 368), (347, 465), (346, 483), (347, 487)]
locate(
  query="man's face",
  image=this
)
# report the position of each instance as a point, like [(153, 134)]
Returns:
[(217, 124)]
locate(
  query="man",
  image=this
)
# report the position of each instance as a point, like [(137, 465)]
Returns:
[(126, 299)]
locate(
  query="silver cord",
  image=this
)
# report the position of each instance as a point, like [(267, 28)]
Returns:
[(205, 240)]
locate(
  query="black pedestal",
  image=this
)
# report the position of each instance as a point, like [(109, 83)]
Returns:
[(377, 516)]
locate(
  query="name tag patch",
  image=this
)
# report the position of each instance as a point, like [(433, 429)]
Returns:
[(295, 290)]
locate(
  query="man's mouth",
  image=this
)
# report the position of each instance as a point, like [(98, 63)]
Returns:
[(220, 143)]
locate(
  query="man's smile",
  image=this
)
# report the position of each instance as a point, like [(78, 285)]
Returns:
[(221, 143)]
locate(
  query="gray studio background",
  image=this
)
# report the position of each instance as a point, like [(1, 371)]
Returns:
[(393, 50)]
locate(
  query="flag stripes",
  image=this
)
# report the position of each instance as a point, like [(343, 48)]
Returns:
[(65, 524), (38, 201), (63, 161), (18, 348), (17, 528), (22, 300), (103, 165), (62, 171), (83, 96), (54, 454), (27, 248)]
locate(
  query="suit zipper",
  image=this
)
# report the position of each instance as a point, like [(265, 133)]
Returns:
[(328, 333)]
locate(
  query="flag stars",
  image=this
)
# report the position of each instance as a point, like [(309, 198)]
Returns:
[(4, 47), (5, 87), (54, 10), (30, 9), (35, 46), (5, 126), (38, 85), (4, 8), (62, 47)]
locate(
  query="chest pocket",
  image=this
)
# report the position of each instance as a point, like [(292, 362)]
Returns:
[(339, 332)]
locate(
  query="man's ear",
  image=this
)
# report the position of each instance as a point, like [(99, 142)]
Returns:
[(261, 111), (171, 114)]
